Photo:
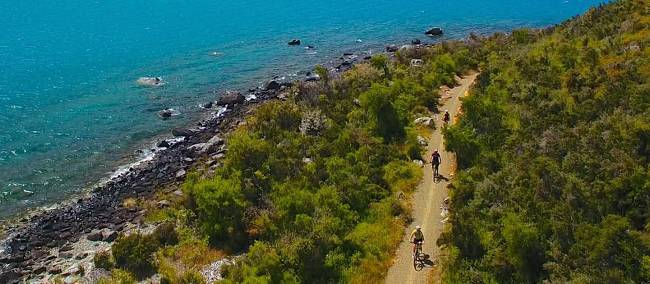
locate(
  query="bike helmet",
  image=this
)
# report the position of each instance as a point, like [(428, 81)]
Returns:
[(418, 227)]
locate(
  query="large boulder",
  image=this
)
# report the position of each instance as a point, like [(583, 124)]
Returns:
[(166, 113), (208, 147), (311, 77), (392, 48), (95, 236), (272, 85), (422, 141), (436, 31), (416, 41), (207, 105), (294, 42), (182, 132), (163, 144), (231, 98), (109, 236), (426, 121)]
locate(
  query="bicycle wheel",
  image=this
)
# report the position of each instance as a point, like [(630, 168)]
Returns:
[(417, 259)]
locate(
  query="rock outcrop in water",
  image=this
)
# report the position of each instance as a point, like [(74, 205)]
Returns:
[(231, 98), (436, 31)]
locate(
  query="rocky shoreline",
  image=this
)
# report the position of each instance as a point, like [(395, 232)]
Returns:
[(39, 244)]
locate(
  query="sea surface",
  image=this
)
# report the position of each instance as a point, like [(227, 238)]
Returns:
[(71, 112)]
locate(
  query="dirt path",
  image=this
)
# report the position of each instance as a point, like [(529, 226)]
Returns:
[(429, 197)]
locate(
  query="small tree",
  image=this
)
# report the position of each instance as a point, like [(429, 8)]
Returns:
[(220, 206), (381, 63), (323, 73)]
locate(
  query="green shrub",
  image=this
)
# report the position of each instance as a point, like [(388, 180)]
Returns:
[(103, 259), (191, 277), (385, 119), (165, 234), (220, 206), (118, 276), (134, 253)]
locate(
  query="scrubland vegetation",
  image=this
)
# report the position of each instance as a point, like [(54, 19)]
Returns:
[(554, 147), (310, 187), (553, 185)]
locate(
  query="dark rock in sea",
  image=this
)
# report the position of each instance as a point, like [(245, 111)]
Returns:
[(416, 41), (434, 32), (392, 48), (182, 132), (95, 236), (367, 57), (163, 144), (207, 105), (272, 85), (310, 47), (231, 98), (348, 54), (165, 113), (294, 42)]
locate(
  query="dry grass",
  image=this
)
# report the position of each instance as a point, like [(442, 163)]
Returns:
[(130, 202)]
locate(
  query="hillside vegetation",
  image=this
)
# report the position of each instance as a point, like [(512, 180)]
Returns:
[(313, 187), (554, 152)]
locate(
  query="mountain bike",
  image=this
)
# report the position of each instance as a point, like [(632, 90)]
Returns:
[(418, 257), (436, 173)]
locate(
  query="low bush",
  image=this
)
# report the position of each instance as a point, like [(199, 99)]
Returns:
[(134, 253), (103, 259), (165, 234), (118, 276)]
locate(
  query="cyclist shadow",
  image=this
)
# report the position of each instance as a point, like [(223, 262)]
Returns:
[(440, 178), (426, 262)]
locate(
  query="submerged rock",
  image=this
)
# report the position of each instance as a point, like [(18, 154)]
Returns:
[(436, 31), (150, 81), (166, 113)]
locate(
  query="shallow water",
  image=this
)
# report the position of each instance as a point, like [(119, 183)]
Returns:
[(71, 113)]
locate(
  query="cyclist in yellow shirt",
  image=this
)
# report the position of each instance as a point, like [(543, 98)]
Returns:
[(417, 238)]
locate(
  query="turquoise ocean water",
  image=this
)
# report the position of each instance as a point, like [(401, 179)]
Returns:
[(71, 113)]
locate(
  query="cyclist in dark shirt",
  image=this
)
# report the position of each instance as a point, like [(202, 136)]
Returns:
[(436, 160)]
